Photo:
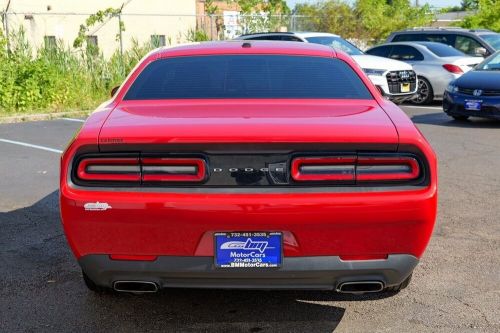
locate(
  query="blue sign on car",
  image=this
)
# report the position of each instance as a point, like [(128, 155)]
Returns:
[(248, 249)]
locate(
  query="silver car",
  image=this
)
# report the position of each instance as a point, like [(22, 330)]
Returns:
[(436, 65)]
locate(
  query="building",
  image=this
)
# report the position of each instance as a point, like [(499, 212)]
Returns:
[(165, 22)]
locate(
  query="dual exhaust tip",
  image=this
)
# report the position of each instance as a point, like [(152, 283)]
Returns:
[(137, 287), (360, 287)]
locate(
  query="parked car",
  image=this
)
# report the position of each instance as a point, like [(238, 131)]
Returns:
[(436, 65), (248, 165), (476, 93), (394, 79), (473, 42)]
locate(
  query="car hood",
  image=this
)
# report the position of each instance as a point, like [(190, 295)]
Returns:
[(478, 79), (248, 121), (374, 62)]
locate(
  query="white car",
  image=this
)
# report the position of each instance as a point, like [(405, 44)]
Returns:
[(394, 79)]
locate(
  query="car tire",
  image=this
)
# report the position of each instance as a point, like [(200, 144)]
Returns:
[(91, 284), (460, 118), (425, 94), (399, 287)]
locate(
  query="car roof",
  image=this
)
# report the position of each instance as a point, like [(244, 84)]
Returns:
[(244, 47), (414, 44), (441, 30), (303, 34)]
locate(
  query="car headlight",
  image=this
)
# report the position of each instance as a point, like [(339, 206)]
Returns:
[(451, 88), (372, 71)]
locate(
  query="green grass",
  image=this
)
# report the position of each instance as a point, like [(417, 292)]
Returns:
[(58, 78)]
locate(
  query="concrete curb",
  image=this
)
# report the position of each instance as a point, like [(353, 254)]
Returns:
[(43, 116)]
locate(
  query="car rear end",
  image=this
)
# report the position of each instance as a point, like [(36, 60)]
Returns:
[(244, 174)]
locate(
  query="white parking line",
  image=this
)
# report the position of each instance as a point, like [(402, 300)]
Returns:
[(31, 146), (73, 119)]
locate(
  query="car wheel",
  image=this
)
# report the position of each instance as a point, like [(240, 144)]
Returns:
[(400, 286), (460, 118), (91, 284), (425, 94)]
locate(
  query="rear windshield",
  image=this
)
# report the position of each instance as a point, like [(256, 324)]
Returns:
[(443, 50), (247, 76)]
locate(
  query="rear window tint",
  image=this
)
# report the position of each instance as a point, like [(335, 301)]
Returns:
[(247, 76)]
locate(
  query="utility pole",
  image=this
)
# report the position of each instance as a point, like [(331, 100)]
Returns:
[(6, 22), (416, 3)]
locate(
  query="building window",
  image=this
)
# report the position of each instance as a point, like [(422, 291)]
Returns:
[(92, 40), (158, 40), (49, 42)]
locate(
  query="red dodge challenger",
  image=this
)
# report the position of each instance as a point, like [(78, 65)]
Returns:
[(248, 165)]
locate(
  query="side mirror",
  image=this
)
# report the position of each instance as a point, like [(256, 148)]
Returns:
[(114, 90), (481, 52)]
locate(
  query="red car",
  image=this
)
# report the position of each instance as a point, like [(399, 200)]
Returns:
[(248, 165)]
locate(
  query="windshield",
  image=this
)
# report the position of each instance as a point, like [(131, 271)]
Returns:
[(443, 50), (247, 76), (336, 43), (493, 40), (492, 63)]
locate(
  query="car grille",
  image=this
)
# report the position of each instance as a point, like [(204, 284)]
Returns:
[(467, 91), (396, 78)]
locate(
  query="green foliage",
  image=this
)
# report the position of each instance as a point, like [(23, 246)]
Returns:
[(197, 35), (369, 20), (469, 4), (262, 15), (210, 7), (57, 78), (93, 19), (487, 16)]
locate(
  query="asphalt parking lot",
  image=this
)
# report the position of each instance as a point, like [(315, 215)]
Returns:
[(456, 288)]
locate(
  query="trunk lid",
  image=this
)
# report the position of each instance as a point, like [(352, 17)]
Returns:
[(248, 121)]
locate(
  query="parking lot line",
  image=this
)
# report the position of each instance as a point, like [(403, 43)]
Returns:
[(73, 119), (31, 146)]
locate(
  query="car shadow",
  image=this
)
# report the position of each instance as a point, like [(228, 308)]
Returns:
[(441, 119), (40, 277)]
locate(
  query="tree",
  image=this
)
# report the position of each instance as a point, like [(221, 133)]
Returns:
[(262, 15), (487, 16), (469, 4)]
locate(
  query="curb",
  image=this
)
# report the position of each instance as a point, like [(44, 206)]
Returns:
[(43, 116)]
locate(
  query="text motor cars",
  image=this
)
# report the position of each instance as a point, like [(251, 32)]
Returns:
[(248, 165), (394, 79), (476, 93)]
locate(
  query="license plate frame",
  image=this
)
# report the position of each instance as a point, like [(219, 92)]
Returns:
[(405, 87), (473, 104), (248, 249)]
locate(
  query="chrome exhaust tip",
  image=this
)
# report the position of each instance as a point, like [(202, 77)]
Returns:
[(137, 287), (360, 287)]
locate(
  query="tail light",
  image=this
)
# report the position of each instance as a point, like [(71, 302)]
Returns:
[(173, 169), (130, 170), (358, 169), (341, 168), (453, 68), (109, 169)]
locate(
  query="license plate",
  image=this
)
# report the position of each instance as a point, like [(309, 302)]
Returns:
[(473, 105), (248, 249), (405, 87)]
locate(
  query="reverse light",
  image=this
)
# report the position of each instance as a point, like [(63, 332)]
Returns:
[(335, 168), (453, 68), (173, 169)]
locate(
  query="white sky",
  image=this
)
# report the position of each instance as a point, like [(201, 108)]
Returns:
[(435, 3)]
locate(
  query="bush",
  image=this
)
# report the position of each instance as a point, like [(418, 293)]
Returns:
[(58, 78)]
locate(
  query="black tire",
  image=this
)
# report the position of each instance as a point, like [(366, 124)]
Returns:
[(91, 284), (425, 94), (460, 118), (400, 286)]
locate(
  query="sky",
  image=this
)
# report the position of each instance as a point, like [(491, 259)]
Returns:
[(435, 3)]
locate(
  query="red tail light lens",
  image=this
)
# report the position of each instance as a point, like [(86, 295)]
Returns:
[(173, 170), (336, 168), (387, 169), (109, 169), (355, 169), (453, 68)]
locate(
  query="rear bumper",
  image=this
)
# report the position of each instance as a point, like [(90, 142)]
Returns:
[(317, 272)]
